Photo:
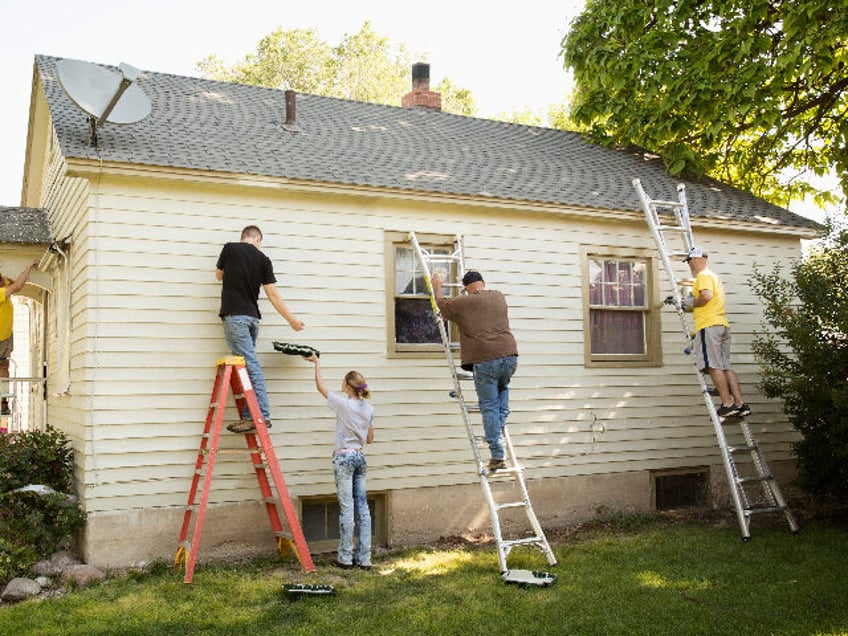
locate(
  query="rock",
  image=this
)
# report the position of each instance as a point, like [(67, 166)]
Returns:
[(55, 564), (82, 575), (19, 589)]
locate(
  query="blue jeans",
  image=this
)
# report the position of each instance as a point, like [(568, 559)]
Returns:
[(349, 470), (241, 333), (491, 379)]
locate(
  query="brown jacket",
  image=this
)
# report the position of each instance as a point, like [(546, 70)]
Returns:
[(483, 322)]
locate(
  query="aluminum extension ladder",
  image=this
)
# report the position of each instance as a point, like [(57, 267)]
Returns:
[(675, 223), (454, 265), (232, 375)]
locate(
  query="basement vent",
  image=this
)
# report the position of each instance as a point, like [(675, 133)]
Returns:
[(687, 488), (320, 521)]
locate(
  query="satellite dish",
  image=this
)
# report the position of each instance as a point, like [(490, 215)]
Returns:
[(104, 95)]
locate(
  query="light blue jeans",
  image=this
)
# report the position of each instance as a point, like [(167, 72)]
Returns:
[(241, 333), (491, 379), (349, 470)]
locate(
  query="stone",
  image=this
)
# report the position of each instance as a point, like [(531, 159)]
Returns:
[(56, 563), (19, 589), (82, 575)]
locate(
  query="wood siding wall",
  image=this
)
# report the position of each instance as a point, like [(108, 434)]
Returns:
[(145, 337)]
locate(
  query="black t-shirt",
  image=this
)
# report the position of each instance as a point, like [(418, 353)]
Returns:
[(246, 269)]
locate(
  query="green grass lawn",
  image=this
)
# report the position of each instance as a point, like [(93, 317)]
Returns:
[(642, 576)]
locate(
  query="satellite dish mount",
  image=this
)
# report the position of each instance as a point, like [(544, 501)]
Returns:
[(105, 96)]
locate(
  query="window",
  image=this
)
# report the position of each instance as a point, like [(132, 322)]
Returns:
[(620, 319), (411, 325)]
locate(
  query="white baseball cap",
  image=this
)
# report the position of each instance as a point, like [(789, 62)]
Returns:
[(695, 252)]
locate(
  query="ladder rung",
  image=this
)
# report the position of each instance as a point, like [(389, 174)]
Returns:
[(655, 203), (525, 541), (453, 258), (735, 449), (753, 480), (759, 511), (503, 472), (671, 228), (512, 504)]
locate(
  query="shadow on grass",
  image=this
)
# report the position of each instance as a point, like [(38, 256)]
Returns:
[(616, 575)]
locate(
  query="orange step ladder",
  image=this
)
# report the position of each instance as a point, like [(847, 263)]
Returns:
[(232, 375)]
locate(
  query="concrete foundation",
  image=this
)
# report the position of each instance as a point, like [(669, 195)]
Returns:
[(415, 516)]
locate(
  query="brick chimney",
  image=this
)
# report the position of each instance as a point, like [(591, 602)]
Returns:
[(421, 96)]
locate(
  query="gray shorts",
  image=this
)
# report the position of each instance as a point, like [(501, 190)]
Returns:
[(6, 347), (712, 348)]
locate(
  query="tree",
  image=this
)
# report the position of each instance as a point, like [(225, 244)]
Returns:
[(363, 67), (295, 59), (804, 359), (752, 92)]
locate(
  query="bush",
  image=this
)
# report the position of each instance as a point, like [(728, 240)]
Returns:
[(32, 524), (36, 457), (804, 360)]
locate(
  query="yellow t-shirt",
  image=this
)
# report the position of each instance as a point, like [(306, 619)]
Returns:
[(712, 313), (6, 315)]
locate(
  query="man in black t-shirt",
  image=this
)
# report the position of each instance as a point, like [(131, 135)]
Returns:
[(243, 268)]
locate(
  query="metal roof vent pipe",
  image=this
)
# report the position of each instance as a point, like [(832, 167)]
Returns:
[(421, 96), (291, 108)]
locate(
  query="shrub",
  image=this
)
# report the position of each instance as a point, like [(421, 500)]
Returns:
[(804, 360), (32, 524), (36, 457)]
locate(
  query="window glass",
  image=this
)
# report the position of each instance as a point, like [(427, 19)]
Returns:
[(617, 306), (413, 313)]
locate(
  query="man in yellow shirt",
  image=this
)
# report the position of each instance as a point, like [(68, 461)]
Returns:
[(7, 318), (712, 335)]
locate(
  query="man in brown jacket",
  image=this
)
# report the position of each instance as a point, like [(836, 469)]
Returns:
[(488, 349)]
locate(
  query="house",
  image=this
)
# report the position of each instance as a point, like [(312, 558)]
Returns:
[(25, 237), (337, 186)]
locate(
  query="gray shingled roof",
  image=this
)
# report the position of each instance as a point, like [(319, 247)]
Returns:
[(25, 225), (225, 127)]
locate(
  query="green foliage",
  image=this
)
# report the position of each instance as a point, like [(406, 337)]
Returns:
[(364, 67), (36, 457), (34, 525), (659, 579), (15, 559), (456, 100), (43, 523), (804, 359), (751, 92)]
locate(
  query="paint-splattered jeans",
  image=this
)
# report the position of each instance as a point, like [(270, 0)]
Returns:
[(241, 333), (491, 380), (349, 470)]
